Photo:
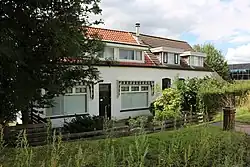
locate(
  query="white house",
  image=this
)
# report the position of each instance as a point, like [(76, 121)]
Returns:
[(128, 86)]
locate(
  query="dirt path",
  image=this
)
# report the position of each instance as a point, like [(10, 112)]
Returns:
[(239, 127)]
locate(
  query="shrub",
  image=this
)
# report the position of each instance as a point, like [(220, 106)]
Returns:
[(84, 123), (168, 105)]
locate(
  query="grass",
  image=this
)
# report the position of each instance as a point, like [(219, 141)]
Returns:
[(201, 146)]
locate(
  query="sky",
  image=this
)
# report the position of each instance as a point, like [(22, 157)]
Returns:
[(225, 23)]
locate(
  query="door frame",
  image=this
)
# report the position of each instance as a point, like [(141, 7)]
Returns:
[(110, 94)]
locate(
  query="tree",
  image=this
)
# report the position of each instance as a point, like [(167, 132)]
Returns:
[(215, 60), (44, 45)]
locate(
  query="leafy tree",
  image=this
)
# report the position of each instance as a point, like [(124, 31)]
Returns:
[(44, 45), (214, 59)]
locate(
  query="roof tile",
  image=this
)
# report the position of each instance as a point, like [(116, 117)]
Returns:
[(154, 42), (112, 35)]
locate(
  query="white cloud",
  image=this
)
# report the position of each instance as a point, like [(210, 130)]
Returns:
[(219, 21), (239, 54), (214, 20)]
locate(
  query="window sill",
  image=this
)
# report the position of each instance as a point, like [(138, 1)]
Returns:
[(131, 61), (65, 116), (135, 109)]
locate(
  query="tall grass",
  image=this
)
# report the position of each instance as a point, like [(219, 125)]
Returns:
[(202, 146)]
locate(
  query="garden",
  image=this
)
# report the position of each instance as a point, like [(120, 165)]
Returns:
[(186, 143)]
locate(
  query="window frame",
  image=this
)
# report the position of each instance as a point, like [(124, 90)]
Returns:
[(131, 92), (62, 98), (74, 91), (191, 60), (176, 58), (135, 52), (103, 54), (165, 57), (163, 84)]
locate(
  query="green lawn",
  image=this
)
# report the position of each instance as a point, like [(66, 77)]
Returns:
[(193, 146)]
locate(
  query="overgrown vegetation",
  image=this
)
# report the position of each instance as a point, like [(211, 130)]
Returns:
[(199, 95), (202, 146)]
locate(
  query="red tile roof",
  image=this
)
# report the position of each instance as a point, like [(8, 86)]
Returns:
[(112, 35), (151, 59)]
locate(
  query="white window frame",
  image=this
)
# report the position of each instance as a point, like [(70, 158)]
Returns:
[(200, 61), (139, 91), (74, 93), (165, 57), (176, 58), (102, 55), (191, 60)]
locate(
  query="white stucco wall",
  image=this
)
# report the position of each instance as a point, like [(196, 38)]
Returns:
[(112, 74)]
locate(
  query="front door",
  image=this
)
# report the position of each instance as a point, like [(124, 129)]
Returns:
[(105, 100)]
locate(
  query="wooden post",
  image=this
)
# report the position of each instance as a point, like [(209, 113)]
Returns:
[(229, 118)]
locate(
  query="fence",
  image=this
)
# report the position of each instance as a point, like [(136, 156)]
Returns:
[(38, 134), (37, 119), (127, 130)]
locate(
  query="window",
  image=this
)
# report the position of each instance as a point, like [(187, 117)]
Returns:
[(130, 54), (200, 61), (136, 98), (138, 55), (108, 53), (166, 83), (124, 88), (171, 58), (134, 88), (73, 102), (191, 60), (165, 58), (176, 59), (58, 106), (196, 61), (144, 88), (126, 54)]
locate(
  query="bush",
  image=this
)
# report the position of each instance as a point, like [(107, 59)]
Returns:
[(168, 106), (84, 123)]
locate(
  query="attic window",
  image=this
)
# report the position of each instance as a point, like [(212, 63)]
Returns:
[(108, 53), (130, 54)]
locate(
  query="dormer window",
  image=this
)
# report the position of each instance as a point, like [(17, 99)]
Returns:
[(108, 53), (130, 54), (170, 58), (196, 61)]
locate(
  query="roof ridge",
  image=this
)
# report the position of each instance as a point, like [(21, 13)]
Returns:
[(163, 38), (109, 29)]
